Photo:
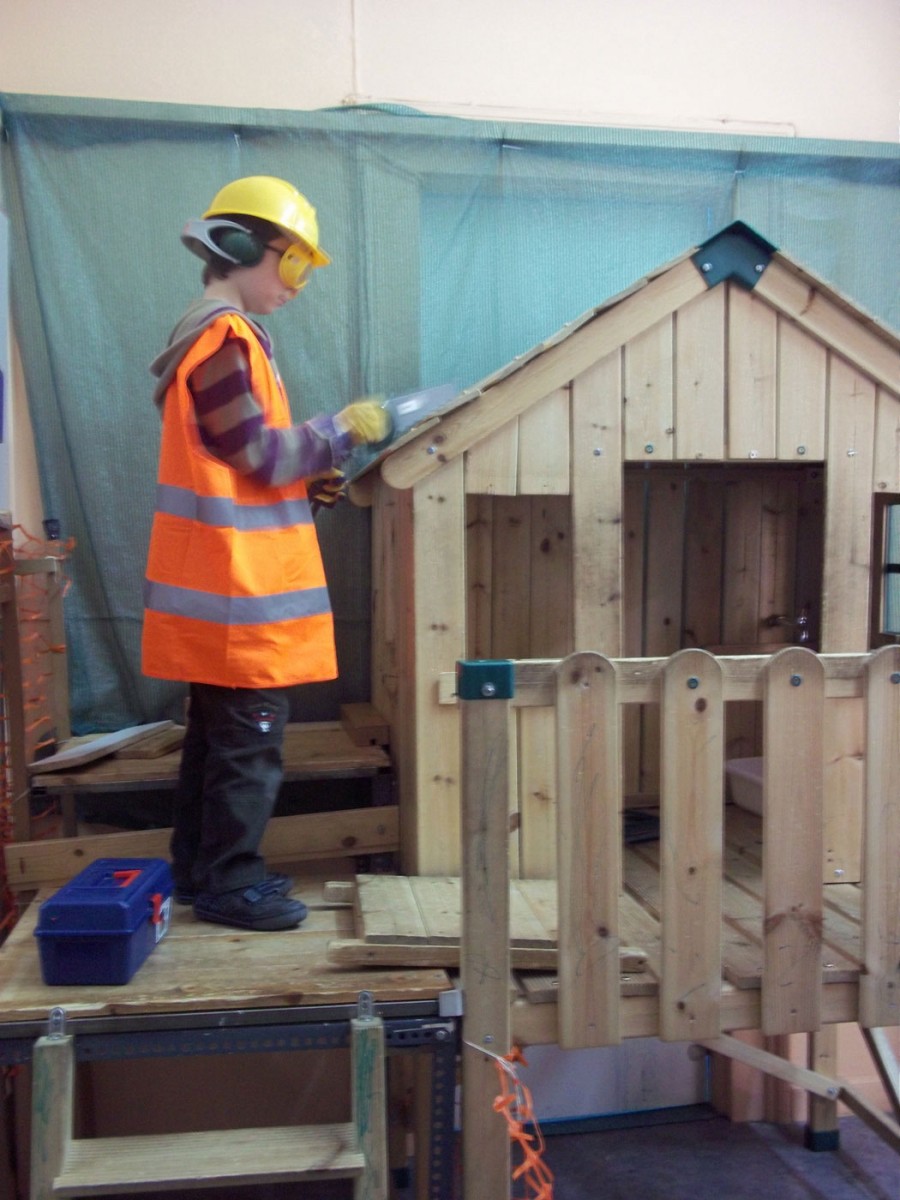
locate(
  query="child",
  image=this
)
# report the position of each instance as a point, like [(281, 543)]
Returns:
[(236, 602)]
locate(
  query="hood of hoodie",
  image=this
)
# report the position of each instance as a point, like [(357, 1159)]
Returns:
[(199, 315)]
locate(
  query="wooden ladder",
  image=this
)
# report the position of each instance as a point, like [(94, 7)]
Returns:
[(63, 1165)]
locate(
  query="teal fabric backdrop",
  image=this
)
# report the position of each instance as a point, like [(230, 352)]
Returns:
[(456, 246)]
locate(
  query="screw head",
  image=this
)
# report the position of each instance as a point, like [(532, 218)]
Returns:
[(796, 680), (489, 689)]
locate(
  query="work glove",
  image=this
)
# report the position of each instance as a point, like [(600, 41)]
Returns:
[(326, 491), (365, 421)]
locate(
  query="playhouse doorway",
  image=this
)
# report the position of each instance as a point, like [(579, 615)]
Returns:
[(725, 557)]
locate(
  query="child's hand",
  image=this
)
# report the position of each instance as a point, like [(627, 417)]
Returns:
[(325, 491), (366, 421)]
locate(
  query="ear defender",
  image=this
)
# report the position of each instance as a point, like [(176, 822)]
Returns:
[(224, 239)]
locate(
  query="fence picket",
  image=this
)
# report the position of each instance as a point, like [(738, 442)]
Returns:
[(589, 851), (691, 846), (793, 713)]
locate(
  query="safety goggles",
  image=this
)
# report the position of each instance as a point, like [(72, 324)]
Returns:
[(295, 267)]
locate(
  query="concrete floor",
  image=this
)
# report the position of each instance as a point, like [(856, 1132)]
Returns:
[(713, 1159), (666, 1158)]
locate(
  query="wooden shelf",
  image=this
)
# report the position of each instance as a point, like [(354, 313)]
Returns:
[(236, 1157)]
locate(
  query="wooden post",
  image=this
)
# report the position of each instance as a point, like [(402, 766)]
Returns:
[(691, 846), (822, 1131), (11, 683), (793, 708), (879, 985), (485, 690), (589, 844), (53, 1077), (369, 1100)]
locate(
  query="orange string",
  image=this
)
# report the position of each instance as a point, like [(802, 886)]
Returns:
[(515, 1104)]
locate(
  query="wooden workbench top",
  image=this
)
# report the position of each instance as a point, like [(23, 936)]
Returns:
[(202, 967)]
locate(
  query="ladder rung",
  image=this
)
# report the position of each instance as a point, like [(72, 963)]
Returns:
[(281, 1154)]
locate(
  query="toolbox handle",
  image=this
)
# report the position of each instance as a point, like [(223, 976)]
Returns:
[(126, 878)]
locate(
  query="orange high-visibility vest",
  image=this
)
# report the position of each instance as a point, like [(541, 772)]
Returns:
[(235, 591)]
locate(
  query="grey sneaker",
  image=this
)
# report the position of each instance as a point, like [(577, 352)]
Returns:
[(260, 907), (185, 893)]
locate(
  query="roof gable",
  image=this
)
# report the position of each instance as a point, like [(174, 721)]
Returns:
[(735, 257)]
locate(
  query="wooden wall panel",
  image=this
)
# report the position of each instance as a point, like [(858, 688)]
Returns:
[(887, 442), (649, 411), (440, 608), (550, 577), (663, 600), (703, 555), (778, 554), (543, 467), (802, 381), (848, 516), (537, 793), (752, 345), (740, 579), (393, 648), (699, 413), (634, 486), (511, 592), (492, 464), (597, 518), (479, 575)]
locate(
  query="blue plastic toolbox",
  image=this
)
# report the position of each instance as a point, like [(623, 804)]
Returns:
[(102, 925)]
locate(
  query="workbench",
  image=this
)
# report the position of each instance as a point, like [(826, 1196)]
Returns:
[(208, 989)]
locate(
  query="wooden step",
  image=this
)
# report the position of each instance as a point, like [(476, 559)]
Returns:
[(281, 1154)]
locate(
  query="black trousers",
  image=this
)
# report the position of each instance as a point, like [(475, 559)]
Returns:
[(229, 779)]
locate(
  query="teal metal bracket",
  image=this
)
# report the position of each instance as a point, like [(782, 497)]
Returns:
[(485, 679), (736, 252)]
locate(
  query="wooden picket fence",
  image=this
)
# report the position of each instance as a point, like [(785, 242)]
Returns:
[(691, 689)]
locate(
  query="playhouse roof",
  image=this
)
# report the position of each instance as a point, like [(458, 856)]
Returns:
[(736, 254)]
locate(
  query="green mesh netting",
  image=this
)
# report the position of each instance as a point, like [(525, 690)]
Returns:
[(456, 245)]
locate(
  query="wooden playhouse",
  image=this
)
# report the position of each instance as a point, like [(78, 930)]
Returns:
[(702, 461), (649, 547)]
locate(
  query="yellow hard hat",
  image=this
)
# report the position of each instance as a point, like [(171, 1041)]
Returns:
[(273, 200)]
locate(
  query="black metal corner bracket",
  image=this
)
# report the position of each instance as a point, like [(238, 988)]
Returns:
[(736, 252), (485, 679)]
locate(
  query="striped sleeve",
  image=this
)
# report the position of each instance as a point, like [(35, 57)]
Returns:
[(233, 429)]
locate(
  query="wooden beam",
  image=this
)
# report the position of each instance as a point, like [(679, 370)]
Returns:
[(306, 837), (874, 353)]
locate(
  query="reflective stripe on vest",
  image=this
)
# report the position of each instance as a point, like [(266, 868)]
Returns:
[(235, 610), (224, 513)]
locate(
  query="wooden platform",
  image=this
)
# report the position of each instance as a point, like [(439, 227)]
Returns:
[(415, 920), (399, 937), (199, 967)]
